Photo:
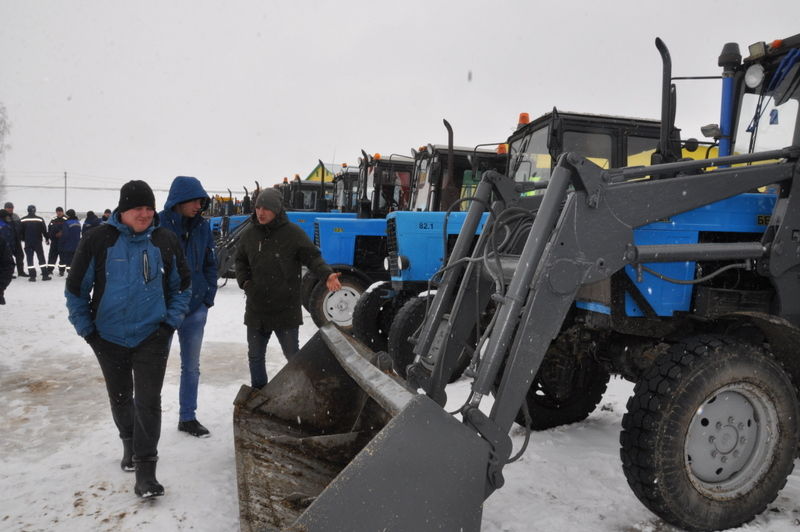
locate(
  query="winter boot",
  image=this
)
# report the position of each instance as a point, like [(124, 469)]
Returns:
[(46, 276), (32, 278), (146, 484), (127, 456)]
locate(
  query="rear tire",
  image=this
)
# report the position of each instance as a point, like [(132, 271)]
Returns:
[(710, 434), (336, 307)]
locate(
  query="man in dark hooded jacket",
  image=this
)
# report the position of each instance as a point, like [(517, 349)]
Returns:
[(182, 214), (269, 257)]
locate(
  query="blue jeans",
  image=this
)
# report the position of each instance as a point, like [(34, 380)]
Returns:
[(190, 336), (257, 340)]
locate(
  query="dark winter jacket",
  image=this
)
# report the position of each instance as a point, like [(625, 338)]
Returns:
[(55, 228), (7, 231), (6, 266), (17, 223), (33, 230), (91, 221), (196, 239), (124, 285), (71, 235), (270, 257)]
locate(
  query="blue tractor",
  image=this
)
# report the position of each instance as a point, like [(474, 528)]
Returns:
[(356, 247), (419, 242)]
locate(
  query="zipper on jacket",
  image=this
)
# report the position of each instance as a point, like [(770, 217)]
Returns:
[(145, 267)]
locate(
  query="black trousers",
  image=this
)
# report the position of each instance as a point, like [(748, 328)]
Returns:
[(19, 258), (52, 255), (134, 376), (29, 252)]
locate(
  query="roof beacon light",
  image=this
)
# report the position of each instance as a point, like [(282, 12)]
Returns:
[(524, 118), (777, 43), (377, 156), (502, 149)]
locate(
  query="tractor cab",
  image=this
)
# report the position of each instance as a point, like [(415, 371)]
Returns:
[(436, 187), (607, 141), (384, 184), (767, 86), (305, 195), (345, 189)]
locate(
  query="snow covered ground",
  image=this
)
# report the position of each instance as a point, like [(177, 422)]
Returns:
[(59, 451)]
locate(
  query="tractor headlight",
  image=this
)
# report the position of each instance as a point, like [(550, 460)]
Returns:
[(402, 262), (754, 76)]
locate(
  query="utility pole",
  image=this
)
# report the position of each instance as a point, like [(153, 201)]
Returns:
[(65, 190)]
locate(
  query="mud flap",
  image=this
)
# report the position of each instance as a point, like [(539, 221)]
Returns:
[(333, 443)]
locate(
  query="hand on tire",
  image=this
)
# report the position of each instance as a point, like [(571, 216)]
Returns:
[(333, 282)]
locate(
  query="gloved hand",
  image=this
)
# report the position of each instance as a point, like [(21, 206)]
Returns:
[(92, 338), (165, 331)]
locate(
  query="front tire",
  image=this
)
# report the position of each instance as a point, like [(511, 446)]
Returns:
[(307, 284), (710, 434), (373, 316), (336, 307), (566, 389), (406, 322)]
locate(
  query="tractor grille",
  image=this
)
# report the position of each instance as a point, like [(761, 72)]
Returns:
[(316, 233), (391, 246)]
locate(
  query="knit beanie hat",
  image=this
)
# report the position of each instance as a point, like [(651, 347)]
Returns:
[(270, 199), (136, 194), (71, 213)]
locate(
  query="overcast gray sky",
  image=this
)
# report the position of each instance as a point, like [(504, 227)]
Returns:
[(233, 92)]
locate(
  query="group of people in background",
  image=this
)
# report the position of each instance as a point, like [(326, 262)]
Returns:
[(21, 240)]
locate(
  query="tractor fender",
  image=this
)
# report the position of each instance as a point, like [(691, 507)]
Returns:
[(782, 335)]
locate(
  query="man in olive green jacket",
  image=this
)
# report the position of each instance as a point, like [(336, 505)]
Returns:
[(269, 256)]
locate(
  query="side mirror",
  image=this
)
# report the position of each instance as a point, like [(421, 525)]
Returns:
[(691, 145), (711, 131)]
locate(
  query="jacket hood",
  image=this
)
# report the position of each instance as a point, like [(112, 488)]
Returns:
[(185, 188)]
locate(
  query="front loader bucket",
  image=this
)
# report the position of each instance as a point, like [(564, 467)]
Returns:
[(334, 444)]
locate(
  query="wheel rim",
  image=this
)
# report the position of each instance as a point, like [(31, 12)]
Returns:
[(731, 441), (338, 306)]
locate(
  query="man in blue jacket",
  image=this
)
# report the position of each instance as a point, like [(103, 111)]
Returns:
[(71, 235), (182, 214), (127, 291)]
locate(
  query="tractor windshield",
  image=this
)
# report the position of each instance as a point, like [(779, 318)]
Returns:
[(763, 125), (529, 159)]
